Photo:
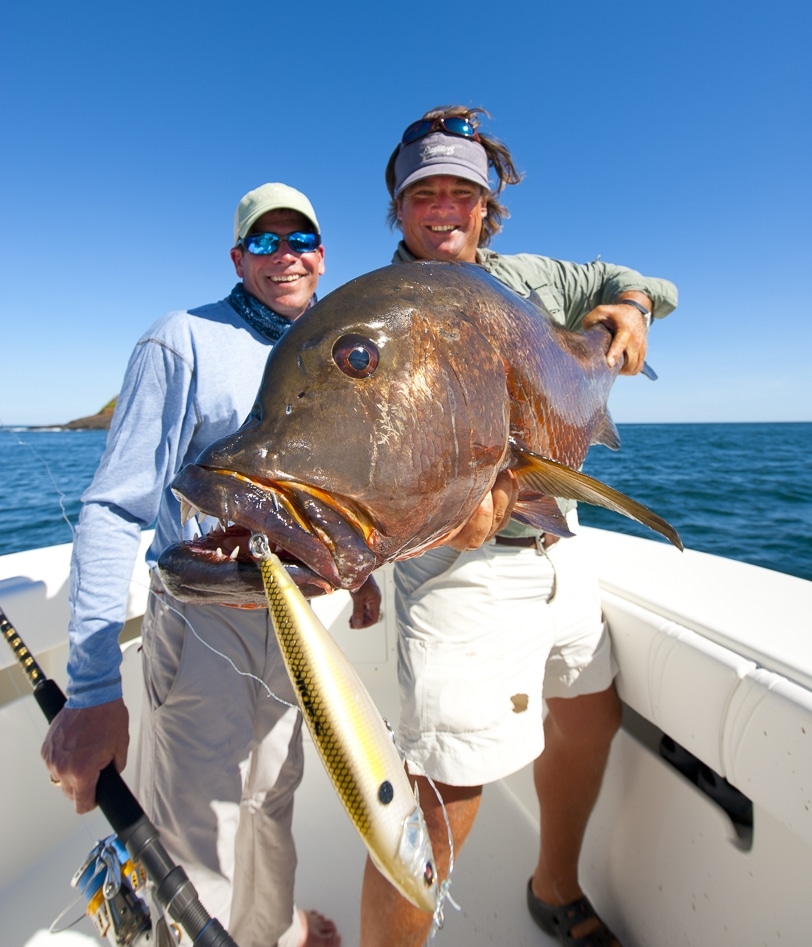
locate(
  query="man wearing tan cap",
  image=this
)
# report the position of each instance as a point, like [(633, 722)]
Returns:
[(219, 759), (520, 613)]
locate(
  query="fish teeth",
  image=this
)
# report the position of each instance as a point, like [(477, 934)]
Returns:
[(235, 553), (187, 511)]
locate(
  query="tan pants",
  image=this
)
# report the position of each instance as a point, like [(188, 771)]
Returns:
[(219, 760)]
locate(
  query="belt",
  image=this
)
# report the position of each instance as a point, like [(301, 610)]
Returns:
[(527, 542)]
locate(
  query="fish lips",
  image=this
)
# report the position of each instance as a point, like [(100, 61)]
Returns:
[(194, 572), (319, 546)]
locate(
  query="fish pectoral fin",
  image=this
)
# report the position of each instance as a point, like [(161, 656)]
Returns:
[(542, 513), (549, 477)]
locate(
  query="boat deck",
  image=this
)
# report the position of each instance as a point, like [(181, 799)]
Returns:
[(488, 883), (489, 880), (714, 654)]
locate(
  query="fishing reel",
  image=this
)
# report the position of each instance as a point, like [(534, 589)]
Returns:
[(110, 880), (113, 888)]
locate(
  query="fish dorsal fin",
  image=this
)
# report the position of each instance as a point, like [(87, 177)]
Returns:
[(607, 433), (549, 477)]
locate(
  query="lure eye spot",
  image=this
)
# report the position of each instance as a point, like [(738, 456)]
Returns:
[(428, 874), (385, 792)]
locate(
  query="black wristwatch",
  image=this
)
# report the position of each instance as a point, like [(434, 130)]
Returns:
[(645, 313)]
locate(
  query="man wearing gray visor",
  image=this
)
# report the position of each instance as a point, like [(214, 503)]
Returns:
[(518, 615)]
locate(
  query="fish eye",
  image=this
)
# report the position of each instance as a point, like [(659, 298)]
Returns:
[(356, 356)]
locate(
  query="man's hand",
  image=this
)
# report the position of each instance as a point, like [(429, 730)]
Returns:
[(80, 743), (628, 328), (366, 605), (490, 516)]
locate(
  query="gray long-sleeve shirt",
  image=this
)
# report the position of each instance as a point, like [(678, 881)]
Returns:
[(191, 379)]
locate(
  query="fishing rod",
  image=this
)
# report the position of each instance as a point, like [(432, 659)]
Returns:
[(122, 810)]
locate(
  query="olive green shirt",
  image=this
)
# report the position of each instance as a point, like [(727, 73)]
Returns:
[(568, 291)]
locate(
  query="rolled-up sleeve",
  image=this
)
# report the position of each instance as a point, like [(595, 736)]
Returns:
[(661, 292), (568, 291)]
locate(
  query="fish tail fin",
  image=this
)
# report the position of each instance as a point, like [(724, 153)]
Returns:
[(554, 479)]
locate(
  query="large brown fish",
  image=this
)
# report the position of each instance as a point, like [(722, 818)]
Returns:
[(384, 416)]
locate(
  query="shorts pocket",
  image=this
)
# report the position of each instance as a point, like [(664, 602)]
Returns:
[(446, 687)]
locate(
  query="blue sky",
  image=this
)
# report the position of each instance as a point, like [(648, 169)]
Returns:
[(673, 137)]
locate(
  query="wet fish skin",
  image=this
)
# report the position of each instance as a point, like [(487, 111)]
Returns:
[(384, 416), (353, 741)]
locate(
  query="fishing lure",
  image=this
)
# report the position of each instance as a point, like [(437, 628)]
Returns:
[(354, 742)]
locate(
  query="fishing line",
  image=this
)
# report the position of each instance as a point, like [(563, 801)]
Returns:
[(61, 499), (151, 592), (444, 888), (110, 569), (60, 495), (142, 585), (214, 650), (138, 584), (220, 654)]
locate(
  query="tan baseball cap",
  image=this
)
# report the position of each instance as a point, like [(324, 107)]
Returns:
[(266, 198)]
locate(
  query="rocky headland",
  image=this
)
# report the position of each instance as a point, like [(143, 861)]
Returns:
[(94, 422)]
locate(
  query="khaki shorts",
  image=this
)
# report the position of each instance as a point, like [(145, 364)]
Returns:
[(483, 636)]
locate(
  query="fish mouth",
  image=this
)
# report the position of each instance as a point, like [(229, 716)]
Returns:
[(321, 539)]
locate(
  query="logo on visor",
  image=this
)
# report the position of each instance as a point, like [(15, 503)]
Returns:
[(432, 151)]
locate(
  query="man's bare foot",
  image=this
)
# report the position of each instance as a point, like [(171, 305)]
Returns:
[(318, 930)]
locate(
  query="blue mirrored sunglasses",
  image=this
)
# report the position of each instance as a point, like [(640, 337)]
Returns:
[(450, 124), (264, 244)]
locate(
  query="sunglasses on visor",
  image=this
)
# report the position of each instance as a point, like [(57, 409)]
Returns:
[(264, 244), (450, 124)]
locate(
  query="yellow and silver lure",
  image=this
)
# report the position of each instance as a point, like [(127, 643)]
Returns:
[(353, 740)]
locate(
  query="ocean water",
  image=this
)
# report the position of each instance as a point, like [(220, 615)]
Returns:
[(44, 476), (743, 491), (738, 490)]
